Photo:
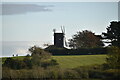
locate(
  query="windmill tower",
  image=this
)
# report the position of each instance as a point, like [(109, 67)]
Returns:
[(59, 38)]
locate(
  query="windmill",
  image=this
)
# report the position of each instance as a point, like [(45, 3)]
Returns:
[(59, 38), (63, 31)]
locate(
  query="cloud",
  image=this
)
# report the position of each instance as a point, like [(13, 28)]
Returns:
[(13, 9)]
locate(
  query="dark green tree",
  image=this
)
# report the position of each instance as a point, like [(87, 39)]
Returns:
[(113, 33), (85, 39), (113, 59)]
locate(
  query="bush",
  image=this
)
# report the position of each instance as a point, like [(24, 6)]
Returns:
[(6, 72), (52, 73), (81, 51), (71, 74), (83, 72), (28, 62), (14, 63), (98, 74), (8, 62), (112, 74), (36, 60)]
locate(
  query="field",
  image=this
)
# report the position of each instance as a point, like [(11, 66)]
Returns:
[(73, 61), (79, 60)]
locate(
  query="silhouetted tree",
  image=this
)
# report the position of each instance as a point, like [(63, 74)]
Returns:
[(113, 33), (85, 39)]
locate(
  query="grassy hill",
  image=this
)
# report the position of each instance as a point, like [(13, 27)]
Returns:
[(73, 61), (79, 60)]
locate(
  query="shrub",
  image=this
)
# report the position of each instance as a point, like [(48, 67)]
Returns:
[(83, 72), (8, 62), (36, 60), (14, 63), (28, 62), (52, 72), (112, 74), (6, 72), (96, 74), (71, 74)]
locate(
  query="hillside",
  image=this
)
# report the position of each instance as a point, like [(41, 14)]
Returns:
[(75, 60), (79, 60)]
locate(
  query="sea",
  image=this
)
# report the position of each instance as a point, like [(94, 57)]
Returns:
[(20, 48)]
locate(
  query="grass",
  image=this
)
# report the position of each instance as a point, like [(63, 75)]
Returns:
[(79, 60), (73, 61)]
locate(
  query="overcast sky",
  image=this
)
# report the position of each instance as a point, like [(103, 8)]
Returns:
[(35, 21)]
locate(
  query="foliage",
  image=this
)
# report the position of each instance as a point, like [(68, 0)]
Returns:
[(14, 63), (84, 72), (111, 74), (113, 33), (80, 51), (37, 51), (113, 59), (54, 72), (36, 60), (39, 58), (27, 60), (71, 74), (85, 39)]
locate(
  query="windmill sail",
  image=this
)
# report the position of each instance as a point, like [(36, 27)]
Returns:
[(65, 42), (63, 31)]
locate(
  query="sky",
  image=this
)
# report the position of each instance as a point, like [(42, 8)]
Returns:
[(35, 21)]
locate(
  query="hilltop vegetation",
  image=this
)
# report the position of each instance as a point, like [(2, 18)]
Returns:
[(41, 65), (76, 60)]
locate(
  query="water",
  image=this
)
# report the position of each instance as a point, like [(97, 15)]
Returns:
[(18, 47)]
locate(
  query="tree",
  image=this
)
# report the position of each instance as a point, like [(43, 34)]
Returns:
[(85, 39), (38, 55), (113, 59), (113, 33), (37, 51)]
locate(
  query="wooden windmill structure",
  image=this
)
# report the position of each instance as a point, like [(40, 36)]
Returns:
[(59, 38)]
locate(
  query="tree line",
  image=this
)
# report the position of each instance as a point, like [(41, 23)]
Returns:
[(88, 39)]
